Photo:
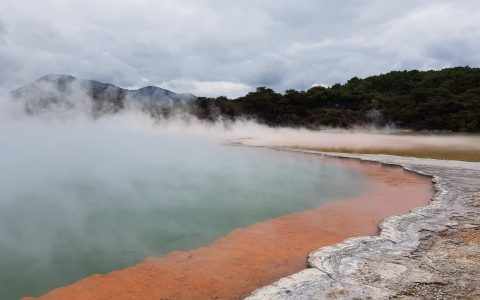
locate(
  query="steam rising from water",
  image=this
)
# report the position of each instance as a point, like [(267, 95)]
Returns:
[(77, 109), (80, 195)]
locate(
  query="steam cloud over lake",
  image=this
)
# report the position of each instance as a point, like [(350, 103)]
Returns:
[(82, 195)]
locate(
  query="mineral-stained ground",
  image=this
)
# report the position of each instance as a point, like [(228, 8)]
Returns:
[(431, 253)]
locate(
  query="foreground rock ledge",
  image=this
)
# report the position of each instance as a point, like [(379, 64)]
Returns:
[(431, 253)]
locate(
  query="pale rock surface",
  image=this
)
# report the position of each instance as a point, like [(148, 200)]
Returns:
[(431, 253)]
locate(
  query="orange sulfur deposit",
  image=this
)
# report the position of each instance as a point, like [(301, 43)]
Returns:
[(248, 258)]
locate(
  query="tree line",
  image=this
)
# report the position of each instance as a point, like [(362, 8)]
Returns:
[(447, 99)]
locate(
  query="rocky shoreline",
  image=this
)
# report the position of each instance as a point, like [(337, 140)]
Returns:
[(432, 252)]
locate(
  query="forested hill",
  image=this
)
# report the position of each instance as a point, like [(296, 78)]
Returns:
[(448, 99)]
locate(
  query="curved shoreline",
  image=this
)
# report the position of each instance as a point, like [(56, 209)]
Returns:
[(188, 272), (431, 252)]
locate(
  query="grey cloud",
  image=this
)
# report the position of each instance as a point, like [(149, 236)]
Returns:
[(281, 44)]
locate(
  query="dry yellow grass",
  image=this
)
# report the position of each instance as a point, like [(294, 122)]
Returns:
[(435, 153)]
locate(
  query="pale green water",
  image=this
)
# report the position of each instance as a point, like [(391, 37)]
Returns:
[(77, 200)]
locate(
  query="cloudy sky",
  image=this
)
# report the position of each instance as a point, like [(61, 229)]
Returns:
[(228, 47)]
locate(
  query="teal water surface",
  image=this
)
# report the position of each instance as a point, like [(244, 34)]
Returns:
[(75, 201)]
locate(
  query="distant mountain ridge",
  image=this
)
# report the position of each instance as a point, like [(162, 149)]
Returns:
[(439, 100), (54, 89)]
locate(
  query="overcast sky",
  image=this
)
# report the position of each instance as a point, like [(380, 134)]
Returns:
[(228, 47)]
